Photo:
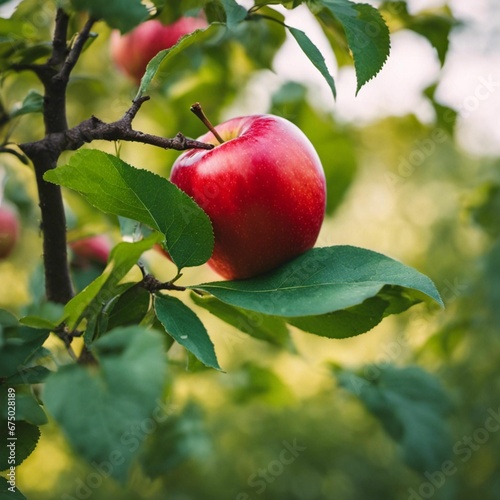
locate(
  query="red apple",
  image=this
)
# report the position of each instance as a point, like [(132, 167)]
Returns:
[(92, 249), (9, 231), (263, 189), (132, 52)]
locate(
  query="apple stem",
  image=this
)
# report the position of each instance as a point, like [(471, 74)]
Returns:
[(198, 111)]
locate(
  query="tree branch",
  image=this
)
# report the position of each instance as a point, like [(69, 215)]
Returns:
[(121, 130)]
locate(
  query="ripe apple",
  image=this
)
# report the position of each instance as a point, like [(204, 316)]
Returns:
[(92, 249), (263, 189), (9, 231), (132, 52)]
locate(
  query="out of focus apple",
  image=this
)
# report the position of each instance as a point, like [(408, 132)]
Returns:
[(91, 249), (9, 231), (132, 52)]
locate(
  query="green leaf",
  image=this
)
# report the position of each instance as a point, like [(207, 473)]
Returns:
[(89, 302), (27, 438), (321, 281), (115, 187), (27, 407), (9, 491), (32, 103), (164, 56), (257, 325), (235, 13), (367, 36), (411, 406), (32, 375), (106, 412), (120, 14), (314, 55), (19, 346), (358, 319), (182, 324), (130, 308), (177, 439)]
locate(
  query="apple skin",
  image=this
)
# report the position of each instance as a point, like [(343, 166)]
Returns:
[(132, 52), (263, 189), (9, 231), (92, 249)]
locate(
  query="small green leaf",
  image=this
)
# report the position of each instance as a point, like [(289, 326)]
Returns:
[(367, 36), (257, 325), (120, 14), (235, 13), (197, 36), (115, 187), (321, 281), (411, 406), (89, 302), (106, 412), (314, 55), (182, 324), (32, 103), (130, 308)]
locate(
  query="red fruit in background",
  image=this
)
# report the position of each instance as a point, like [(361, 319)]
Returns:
[(263, 189), (9, 231), (92, 249), (132, 52)]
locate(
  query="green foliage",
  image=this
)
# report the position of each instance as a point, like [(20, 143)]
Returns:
[(115, 187), (109, 405), (260, 326), (411, 406), (104, 419), (120, 14)]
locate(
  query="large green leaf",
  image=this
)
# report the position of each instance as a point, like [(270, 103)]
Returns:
[(321, 281), (367, 36), (411, 406), (120, 14), (182, 324), (106, 412), (115, 187)]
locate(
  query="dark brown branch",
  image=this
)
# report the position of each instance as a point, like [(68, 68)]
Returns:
[(59, 40), (152, 285), (95, 129), (76, 50)]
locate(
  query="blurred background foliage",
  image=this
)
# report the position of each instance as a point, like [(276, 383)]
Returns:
[(293, 424)]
